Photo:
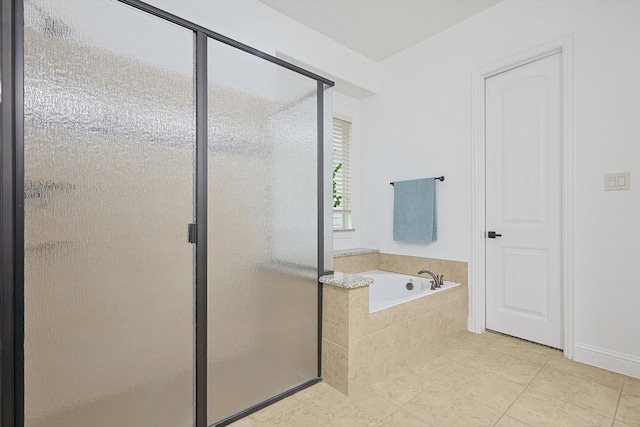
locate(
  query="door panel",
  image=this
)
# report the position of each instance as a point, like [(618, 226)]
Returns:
[(523, 162), (526, 269), (524, 178), (263, 243), (109, 178)]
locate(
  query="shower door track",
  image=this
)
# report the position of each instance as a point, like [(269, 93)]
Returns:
[(12, 209)]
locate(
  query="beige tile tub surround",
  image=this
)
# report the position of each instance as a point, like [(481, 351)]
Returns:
[(356, 263), (362, 348), (453, 271)]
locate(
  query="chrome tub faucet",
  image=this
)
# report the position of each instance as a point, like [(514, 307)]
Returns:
[(436, 282)]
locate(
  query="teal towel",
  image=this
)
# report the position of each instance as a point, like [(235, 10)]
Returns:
[(414, 211)]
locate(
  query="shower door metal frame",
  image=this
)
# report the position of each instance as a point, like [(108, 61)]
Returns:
[(12, 209), (201, 293), (12, 216)]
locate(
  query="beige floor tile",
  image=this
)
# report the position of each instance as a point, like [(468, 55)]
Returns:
[(476, 382), (401, 418), (632, 385), (602, 376), (402, 387), (480, 341), (361, 409), (434, 366), (578, 391), (369, 407), (540, 410), (328, 398), (249, 421), (492, 390), (457, 351), (332, 409), (278, 407), (508, 367), (524, 350), (438, 406), (507, 421), (629, 409), (304, 415), (315, 390)]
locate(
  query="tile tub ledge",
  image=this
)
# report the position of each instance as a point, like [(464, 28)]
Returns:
[(355, 251), (346, 281)]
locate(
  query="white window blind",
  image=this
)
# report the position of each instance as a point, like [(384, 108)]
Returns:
[(341, 180)]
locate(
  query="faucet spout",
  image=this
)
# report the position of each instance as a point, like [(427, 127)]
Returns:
[(435, 283)]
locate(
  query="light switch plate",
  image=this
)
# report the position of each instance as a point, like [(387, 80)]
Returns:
[(617, 181)]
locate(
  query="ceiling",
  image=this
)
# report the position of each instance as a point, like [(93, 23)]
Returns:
[(379, 29)]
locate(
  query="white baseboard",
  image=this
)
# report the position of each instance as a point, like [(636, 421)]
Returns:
[(470, 325), (607, 359)]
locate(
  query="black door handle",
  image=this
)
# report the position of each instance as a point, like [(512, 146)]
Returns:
[(493, 235), (192, 233)]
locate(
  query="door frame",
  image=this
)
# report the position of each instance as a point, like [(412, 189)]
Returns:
[(477, 264)]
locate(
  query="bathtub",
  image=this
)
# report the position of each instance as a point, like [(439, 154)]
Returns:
[(390, 289)]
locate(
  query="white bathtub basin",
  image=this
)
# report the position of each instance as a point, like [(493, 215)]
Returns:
[(390, 289)]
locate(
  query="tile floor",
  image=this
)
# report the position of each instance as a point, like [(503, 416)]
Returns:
[(477, 380)]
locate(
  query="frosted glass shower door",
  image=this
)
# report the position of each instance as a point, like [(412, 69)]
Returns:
[(109, 179), (262, 253)]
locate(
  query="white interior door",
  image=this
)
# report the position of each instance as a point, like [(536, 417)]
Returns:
[(523, 202)]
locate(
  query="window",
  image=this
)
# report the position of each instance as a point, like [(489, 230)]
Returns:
[(341, 179)]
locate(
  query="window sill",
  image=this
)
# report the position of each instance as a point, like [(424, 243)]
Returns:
[(343, 230)]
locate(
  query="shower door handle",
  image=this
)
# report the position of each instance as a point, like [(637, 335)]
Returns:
[(192, 233)]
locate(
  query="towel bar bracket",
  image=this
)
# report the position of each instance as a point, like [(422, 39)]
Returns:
[(438, 178)]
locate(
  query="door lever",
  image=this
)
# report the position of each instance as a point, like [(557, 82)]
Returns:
[(493, 235)]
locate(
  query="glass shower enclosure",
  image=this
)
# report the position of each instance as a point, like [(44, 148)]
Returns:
[(171, 232), (263, 232)]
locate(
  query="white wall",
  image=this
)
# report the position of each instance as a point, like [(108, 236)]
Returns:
[(419, 124)]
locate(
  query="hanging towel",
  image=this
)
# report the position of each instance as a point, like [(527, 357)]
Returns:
[(414, 211)]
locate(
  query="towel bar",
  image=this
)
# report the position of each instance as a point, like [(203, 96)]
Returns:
[(439, 178)]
